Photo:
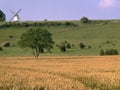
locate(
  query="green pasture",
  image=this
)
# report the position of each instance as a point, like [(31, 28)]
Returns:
[(98, 34)]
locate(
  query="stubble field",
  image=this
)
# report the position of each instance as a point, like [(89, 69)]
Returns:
[(60, 73)]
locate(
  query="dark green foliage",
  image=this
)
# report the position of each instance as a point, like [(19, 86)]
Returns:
[(84, 19), (113, 44), (81, 45), (89, 47), (69, 24), (2, 16), (37, 24), (10, 36), (102, 52), (107, 42), (109, 52), (6, 44), (37, 40), (13, 45), (73, 45), (62, 47), (1, 48), (100, 46), (68, 45)]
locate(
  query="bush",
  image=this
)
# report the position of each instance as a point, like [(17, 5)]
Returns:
[(6, 44), (84, 19), (1, 48), (109, 52), (10, 36), (68, 45), (13, 45), (62, 47), (102, 52), (89, 47), (81, 45)]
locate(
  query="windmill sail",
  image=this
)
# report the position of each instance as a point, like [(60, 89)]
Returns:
[(15, 18)]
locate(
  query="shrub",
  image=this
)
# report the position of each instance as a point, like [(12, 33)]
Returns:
[(67, 23), (102, 52), (109, 52), (62, 47), (114, 52), (57, 45), (1, 48), (68, 45), (73, 45), (113, 44), (81, 45), (100, 46), (89, 47), (84, 19), (107, 42), (6, 44), (10, 36), (13, 45)]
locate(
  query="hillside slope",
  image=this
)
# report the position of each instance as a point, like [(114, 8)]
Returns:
[(97, 35)]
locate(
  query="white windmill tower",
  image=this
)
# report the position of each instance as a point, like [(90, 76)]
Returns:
[(16, 17)]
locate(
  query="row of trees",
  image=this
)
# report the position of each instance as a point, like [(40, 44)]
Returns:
[(109, 52), (37, 24)]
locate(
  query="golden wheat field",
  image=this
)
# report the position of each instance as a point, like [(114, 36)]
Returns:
[(60, 73)]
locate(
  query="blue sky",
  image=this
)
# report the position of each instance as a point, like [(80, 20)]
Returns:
[(61, 9)]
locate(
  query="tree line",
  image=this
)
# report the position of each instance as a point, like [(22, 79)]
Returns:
[(37, 24)]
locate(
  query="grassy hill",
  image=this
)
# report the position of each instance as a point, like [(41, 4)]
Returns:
[(97, 34)]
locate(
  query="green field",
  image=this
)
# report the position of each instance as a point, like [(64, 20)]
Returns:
[(97, 34)]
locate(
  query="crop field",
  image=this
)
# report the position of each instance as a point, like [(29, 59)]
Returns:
[(60, 73)]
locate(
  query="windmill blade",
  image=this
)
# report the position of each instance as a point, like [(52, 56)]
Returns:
[(16, 17), (12, 19), (12, 12), (18, 11)]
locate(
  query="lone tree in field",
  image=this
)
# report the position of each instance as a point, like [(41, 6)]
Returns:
[(84, 19), (2, 16), (37, 40)]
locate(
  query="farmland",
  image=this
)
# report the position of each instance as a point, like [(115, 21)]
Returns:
[(60, 73), (75, 69), (97, 35)]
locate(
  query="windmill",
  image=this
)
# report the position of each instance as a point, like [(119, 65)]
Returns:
[(16, 17)]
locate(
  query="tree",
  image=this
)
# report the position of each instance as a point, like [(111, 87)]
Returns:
[(2, 16), (62, 47), (37, 40), (81, 45), (84, 19)]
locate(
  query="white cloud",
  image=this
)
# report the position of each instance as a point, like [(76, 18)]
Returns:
[(107, 3)]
